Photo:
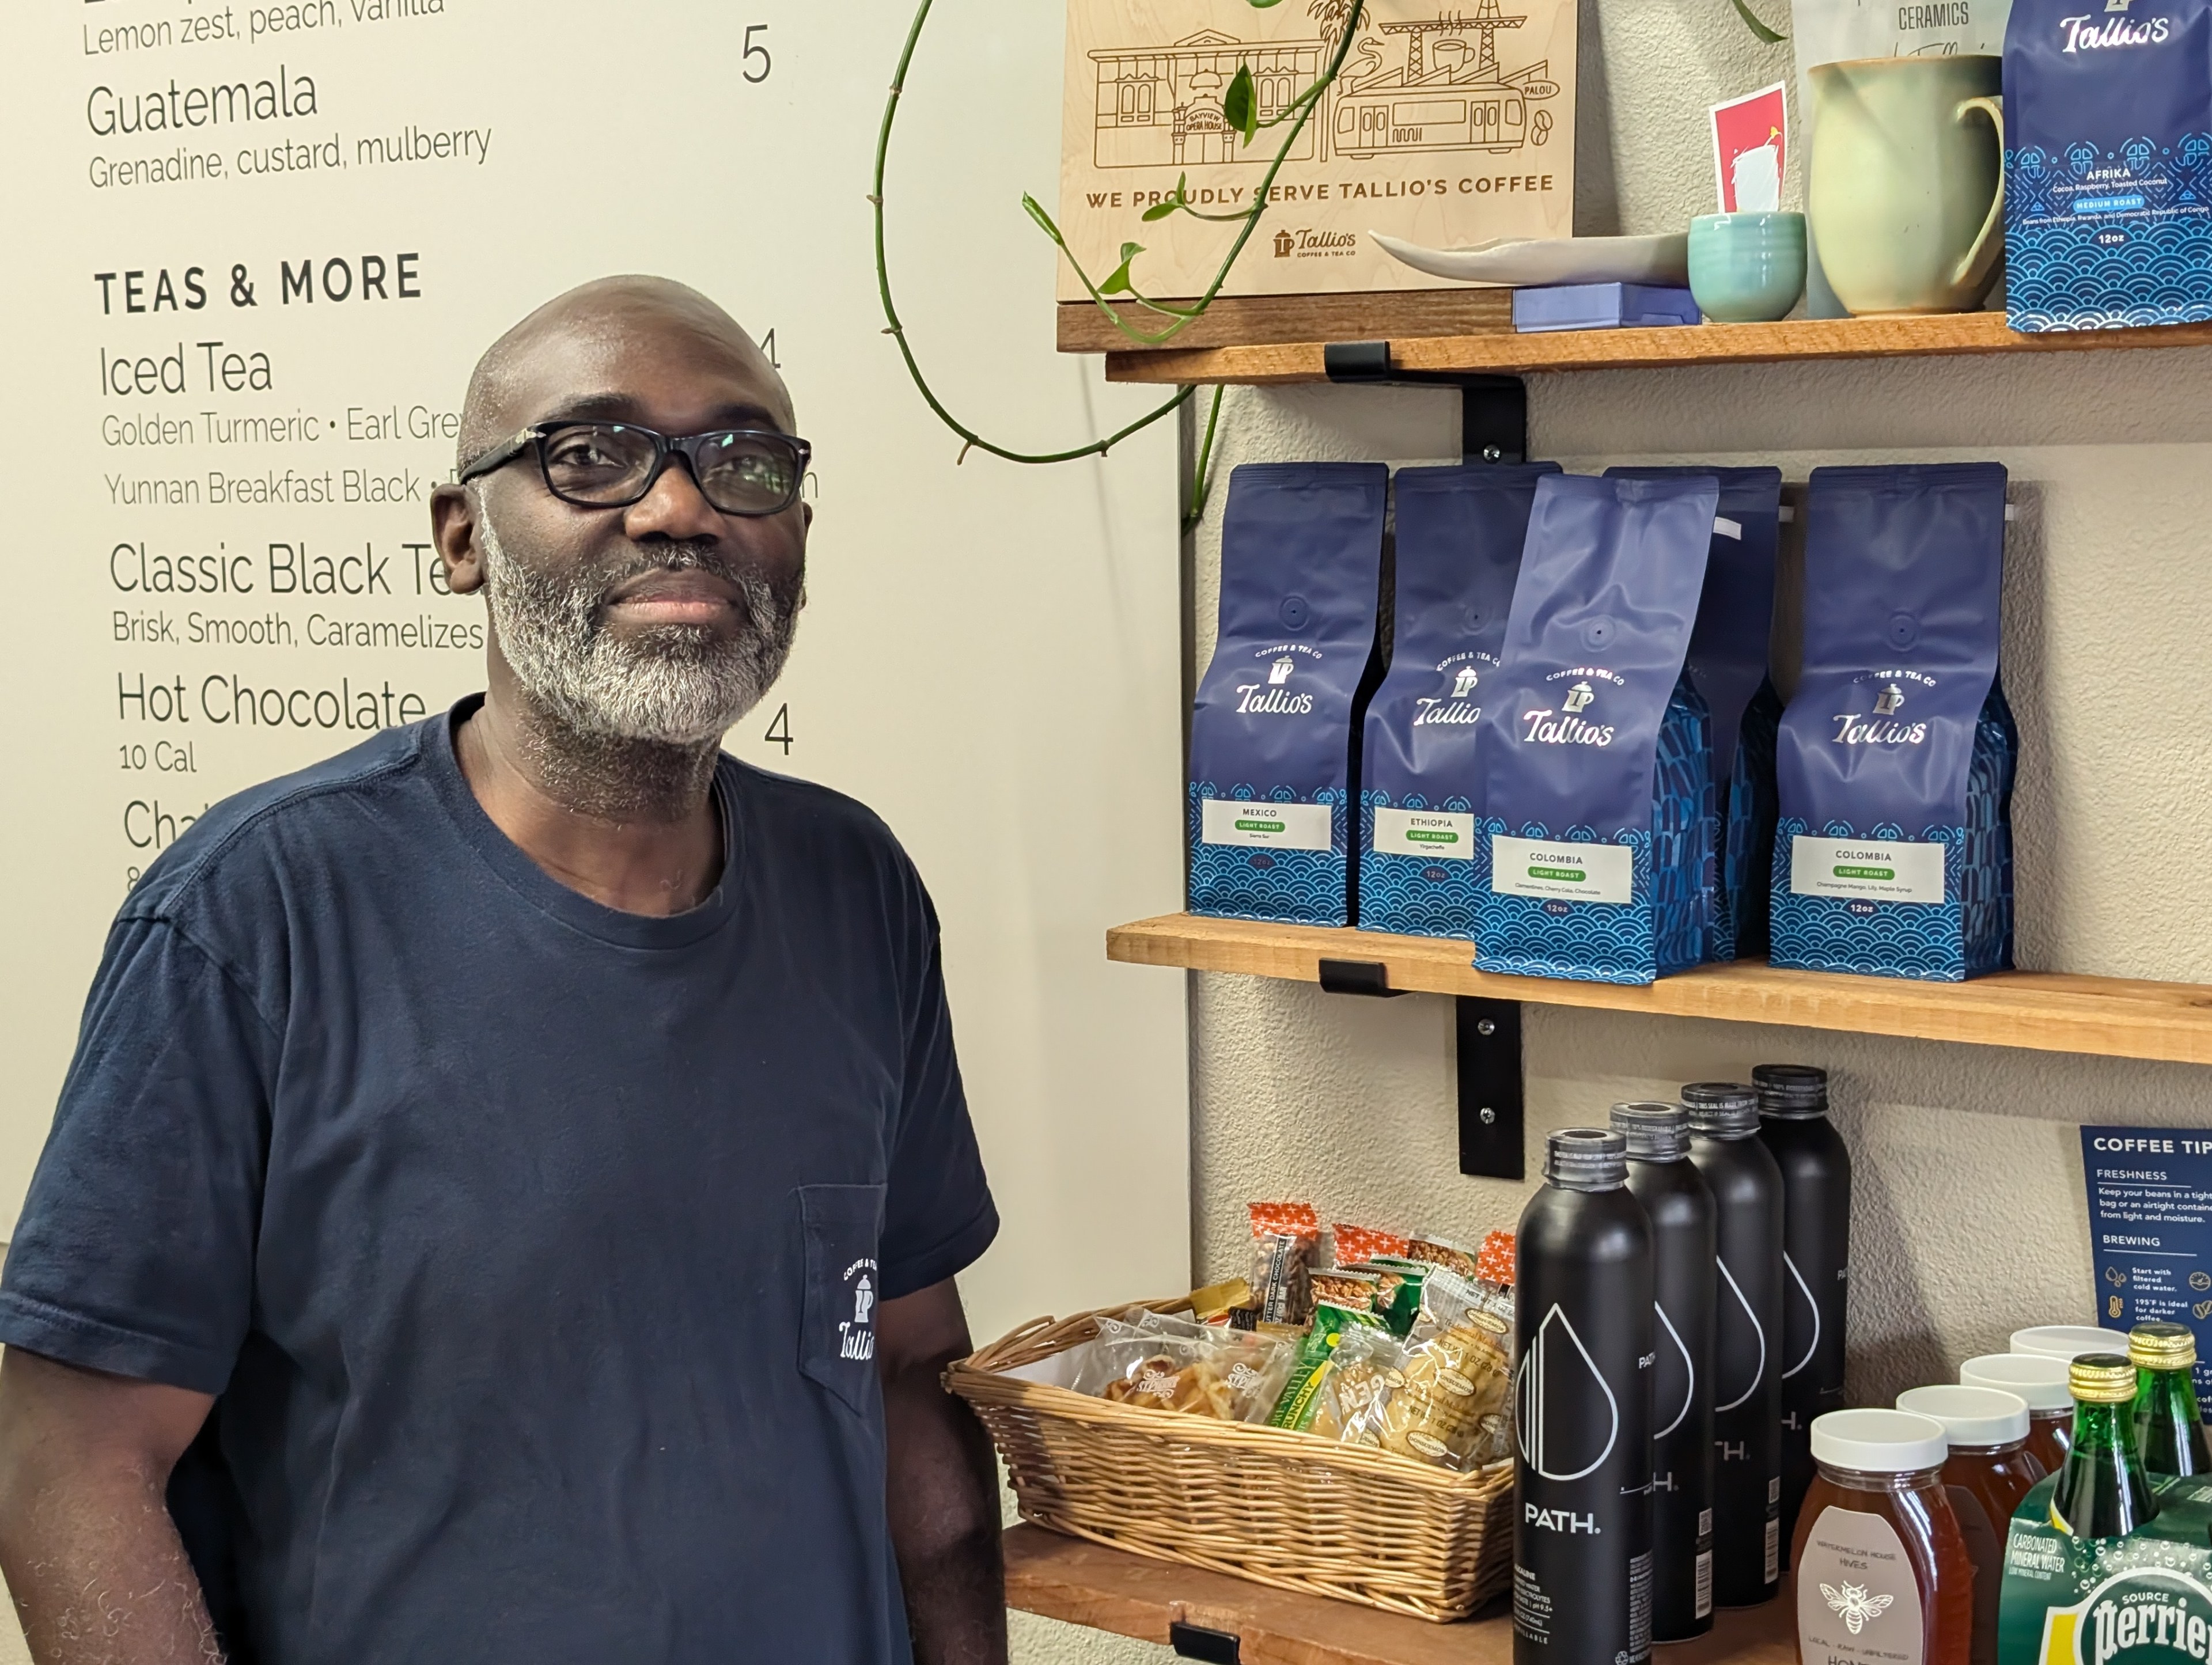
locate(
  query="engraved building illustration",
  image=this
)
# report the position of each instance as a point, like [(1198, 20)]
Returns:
[(1429, 84)]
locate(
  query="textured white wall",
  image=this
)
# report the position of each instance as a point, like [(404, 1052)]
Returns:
[(1970, 1217)]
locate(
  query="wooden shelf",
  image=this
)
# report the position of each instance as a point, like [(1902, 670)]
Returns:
[(2045, 1011), (1503, 353), (1109, 1589)]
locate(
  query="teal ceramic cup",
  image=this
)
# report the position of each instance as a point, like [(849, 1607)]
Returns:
[(1747, 268)]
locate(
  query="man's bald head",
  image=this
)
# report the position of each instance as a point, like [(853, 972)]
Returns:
[(588, 343)]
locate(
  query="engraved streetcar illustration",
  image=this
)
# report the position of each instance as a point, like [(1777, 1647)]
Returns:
[(1422, 84)]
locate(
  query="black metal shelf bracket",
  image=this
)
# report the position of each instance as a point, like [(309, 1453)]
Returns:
[(1196, 1642), (1493, 429), (1493, 409)]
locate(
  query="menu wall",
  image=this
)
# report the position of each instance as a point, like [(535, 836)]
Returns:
[(253, 253)]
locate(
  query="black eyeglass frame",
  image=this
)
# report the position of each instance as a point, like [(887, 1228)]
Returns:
[(665, 446)]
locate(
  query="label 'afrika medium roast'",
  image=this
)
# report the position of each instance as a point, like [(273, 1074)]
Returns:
[(1449, 125)]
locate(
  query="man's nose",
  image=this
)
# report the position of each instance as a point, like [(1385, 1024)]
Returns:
[(675, 508)]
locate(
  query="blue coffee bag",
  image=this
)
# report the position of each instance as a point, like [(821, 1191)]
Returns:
[(1274, 728), (1459, 537), (1727, 666), (1894, 765), (2108, 163), (1596, 749)]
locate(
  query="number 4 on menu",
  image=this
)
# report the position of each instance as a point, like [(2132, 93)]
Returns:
[(755, 49), (779, 731)]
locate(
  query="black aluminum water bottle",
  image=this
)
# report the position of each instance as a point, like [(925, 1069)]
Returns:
[(1582, 1411), (1680, 1205), (1816, 1261), (1747, 1189)]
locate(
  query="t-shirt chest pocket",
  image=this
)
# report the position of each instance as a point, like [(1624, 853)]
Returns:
[(841, 1225)]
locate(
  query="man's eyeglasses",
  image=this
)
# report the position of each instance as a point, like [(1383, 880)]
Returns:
[(596, 464)]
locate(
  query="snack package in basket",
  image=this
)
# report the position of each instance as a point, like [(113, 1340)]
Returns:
[(1284, 1237), (1356, 1245), (1438, 1252), (1449, 1410), (1494, 1262), (1162, 1362), (1398, 1291), (1367, 1368), (1300, 1399), (1356, 1289)]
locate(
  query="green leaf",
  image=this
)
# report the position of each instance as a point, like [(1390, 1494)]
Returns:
[(1240, 105), (1036, 213), (1752, 22), (1161, 211), (1262, 5), (1118, 284)]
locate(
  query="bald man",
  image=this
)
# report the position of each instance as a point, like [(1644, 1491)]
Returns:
[(505, 1205)]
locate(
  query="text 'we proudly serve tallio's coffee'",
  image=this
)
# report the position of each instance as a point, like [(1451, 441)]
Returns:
[(1895, 761), (1459, 537), (1598, 805), (1274, 734)]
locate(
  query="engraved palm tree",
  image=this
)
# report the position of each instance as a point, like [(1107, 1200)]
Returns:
[(1332, 17)]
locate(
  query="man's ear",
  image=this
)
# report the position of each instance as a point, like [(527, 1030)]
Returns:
[(454, 511)]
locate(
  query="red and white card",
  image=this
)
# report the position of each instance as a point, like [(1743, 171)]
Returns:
[(1751, 142)]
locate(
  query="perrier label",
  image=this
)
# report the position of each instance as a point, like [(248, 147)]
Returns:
[(2142, 1599)]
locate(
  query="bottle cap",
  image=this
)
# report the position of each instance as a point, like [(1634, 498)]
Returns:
[(2038, 1380), (1791, 1092), (2162, 1346), (2102, 1378), (1971, 1416), (1655, 1132), (1880, 1442), (2067, 1340), (1586, 1159), (1722, 1110)]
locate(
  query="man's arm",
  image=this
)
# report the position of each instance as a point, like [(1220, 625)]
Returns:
[(943, 1485), (97, 1572)]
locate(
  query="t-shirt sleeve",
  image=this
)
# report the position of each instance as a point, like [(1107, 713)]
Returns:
[(937, 1213), (134, 1251)]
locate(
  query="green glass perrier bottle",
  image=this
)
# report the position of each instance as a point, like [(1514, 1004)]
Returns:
[(2102, 1492), (2168, 1432)]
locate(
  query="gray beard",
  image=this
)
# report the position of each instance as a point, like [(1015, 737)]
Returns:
[(678, 685)]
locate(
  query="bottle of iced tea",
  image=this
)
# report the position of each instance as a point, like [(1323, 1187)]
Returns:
[(2102, 1492), (1881, 1569)]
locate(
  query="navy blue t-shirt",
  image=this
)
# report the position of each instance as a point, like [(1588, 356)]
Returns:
[(533, 1247)]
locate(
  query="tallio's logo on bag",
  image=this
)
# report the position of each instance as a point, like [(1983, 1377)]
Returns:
[(856, 1336), (1880, 726), (1273, 698), (2116, 29), (1453, 708), (2149, 1616), (1564, 726)]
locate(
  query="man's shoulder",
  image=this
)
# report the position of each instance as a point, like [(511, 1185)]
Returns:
[(806, 817), (247, 837)]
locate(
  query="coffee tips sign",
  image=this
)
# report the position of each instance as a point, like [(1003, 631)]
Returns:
[(1451, 122)]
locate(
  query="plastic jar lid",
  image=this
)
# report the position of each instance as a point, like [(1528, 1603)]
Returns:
[(2038, 1380), (1880, 1442), (1971, 1416), (2067, 1340)]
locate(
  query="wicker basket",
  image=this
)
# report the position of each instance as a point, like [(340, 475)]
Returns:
[(1285, 1508)]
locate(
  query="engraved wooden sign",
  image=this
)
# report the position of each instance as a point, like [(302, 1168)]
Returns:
[(1451, 123)]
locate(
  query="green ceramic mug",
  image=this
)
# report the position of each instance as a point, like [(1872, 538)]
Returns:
[(1906, 193)]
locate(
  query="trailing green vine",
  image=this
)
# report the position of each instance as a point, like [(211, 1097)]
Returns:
[(1240, 110)]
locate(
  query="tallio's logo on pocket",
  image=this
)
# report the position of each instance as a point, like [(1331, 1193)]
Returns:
[(856, 1336)]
